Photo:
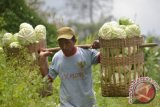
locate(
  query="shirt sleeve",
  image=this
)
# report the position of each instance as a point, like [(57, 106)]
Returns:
[(95, 56), (52, 69)]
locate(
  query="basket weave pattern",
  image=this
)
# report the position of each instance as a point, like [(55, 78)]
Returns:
[(122, 61)]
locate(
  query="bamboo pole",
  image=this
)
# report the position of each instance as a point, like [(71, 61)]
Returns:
[(87, 46)]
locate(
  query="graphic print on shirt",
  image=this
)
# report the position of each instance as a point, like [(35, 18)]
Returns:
[(76, 73)]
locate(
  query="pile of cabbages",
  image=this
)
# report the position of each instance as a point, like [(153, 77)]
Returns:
[(27, 35), (124, 28)]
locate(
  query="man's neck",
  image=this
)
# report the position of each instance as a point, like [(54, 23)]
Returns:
[(73, 51)]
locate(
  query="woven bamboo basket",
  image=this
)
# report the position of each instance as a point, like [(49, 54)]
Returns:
[(33, 49), (122, 61)]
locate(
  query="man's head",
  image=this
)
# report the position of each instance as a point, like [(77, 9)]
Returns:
[(66, 39)]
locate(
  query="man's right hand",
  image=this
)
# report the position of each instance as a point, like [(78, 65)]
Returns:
[(44, 53)]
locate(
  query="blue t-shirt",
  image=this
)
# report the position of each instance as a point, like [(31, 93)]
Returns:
[(76, 77)]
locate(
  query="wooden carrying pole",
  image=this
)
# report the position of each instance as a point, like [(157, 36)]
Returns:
[(87, 46)]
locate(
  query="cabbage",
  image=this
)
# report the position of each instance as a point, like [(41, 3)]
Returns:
[(117, 78), (15, 45), (111, 31), (104, 32), (132, 30), (118, 33), (131, 76), (16, 36), (34, 56), (125, 21), (7, 39), (113, 34), (122, 26), (40, 31), (126, 28), (112, 23), (25, 25), (26, 36), (130, 50), (121, 69)]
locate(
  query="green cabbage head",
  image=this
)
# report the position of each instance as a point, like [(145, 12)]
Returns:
[(7, 39), (125, 21), (133, 30), (25, 25), (26, 36), (111, 30), (40, 31), (15, 45)]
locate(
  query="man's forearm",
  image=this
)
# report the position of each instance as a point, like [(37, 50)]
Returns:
[(43, 63)]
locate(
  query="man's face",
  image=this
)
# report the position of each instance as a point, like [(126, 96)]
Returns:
[(67, 46)]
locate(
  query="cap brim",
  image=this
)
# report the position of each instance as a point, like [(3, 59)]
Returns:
[(65, 37)]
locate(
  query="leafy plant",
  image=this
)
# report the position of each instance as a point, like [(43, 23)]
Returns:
[(21, 81), (152, 60)]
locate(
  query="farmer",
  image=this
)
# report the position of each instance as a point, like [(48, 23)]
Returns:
[(73, 65)]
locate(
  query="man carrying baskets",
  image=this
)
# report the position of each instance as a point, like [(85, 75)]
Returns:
[(73, 65)]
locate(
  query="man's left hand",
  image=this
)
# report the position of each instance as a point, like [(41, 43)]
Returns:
[(96, 44)]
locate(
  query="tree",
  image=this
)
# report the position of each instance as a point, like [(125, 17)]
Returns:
[(87, 16), (88, 10), (36, 5)]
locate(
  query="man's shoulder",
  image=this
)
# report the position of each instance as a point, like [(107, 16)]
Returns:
[(82, 49), (86, 50)]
